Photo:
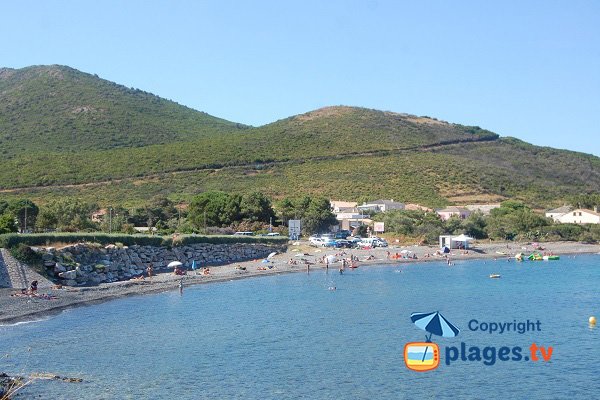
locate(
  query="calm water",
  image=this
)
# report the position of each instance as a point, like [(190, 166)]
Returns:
[(289, 337)]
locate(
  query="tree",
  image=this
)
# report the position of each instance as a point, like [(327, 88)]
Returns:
[(67, 215), (214, 208), (474, 225), (286, 210), (26, 212), (514, 218), (7, 223), (256, 207), (318, 216)]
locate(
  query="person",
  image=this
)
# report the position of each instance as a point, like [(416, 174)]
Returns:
[(150, 270), (181, 286), (33, 288)]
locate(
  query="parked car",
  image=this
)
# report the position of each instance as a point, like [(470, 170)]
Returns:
[(344, 243), (343, 234), (329, 242), (315, 241), (373, 242)]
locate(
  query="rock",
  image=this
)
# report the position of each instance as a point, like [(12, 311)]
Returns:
[(68, 274), (59, 268)]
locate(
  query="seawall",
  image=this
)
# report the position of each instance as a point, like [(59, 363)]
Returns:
[(91, 264)]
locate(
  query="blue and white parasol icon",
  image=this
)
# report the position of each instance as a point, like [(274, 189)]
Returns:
[(435, 324)]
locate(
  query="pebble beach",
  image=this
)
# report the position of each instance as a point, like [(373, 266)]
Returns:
[(300, 257)]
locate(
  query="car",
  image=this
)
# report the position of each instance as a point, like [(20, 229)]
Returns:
[(344, 243), (315, 241), (329, 242), (373, 242), (343, 234), (273, 234)]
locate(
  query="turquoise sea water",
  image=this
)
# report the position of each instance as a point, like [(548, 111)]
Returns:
[(290, 337)]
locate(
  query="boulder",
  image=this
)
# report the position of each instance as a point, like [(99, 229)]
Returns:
[(59, 268), (68, 274)]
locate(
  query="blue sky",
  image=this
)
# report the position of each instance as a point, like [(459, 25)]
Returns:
[(528, 69)]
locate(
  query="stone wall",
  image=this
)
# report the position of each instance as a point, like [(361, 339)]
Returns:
[(89, 264)]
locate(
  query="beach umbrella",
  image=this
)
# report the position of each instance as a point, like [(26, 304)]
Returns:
[(405, 251), (265, 261), (194, 265), (435, 324), (271, 255), (331, 259), (174, 264), (295, 249)]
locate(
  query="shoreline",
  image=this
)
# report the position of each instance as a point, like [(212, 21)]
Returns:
[(23, 309)]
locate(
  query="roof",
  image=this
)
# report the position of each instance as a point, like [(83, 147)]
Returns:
[(560, 210), (385, 202)]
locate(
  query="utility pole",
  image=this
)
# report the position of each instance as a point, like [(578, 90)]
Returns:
[(110, 220)]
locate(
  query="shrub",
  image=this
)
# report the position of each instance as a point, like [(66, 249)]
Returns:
[(25, 254)]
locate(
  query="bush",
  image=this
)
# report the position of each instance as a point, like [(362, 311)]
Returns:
[(46, 239), (25, 254)]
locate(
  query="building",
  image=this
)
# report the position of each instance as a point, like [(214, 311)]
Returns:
[(557, 212), (449, 212), (485, 209), (579, 216), (381, 206), (342, 206)]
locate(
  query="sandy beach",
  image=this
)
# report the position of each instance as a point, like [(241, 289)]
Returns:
[(15, 308)]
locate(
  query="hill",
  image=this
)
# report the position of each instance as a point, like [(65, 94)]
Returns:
[(59, 109), (161, 147)]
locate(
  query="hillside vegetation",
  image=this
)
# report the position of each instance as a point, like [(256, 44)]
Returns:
[(58, 109), (66, 133)]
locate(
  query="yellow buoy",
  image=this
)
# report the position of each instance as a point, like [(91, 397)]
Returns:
[(592, 320)]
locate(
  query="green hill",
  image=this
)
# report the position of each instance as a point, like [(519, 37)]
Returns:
[(59, 109), (66, 133)]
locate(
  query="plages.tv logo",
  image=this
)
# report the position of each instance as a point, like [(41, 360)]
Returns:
[(425, 356)]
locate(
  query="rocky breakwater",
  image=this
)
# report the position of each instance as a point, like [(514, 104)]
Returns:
[(91, 264)]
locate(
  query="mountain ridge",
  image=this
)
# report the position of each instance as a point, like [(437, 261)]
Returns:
[(142, 145)]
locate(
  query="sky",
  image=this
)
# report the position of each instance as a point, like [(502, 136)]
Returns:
[(527, 69)]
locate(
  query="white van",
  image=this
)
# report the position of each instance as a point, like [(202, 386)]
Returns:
[(244, 233), (373, 242)]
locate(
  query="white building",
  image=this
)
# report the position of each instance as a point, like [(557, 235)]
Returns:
[(558, 212), (449, 212), (580, 216), (338, 206), (381, 206), (485, 209)]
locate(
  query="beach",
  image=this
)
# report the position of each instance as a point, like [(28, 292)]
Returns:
[(15, 308)]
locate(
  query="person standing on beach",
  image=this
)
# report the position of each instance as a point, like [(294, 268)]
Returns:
[(181, 286), (150, 270)]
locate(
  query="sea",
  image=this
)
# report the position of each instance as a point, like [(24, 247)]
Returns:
[(330, 336)]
